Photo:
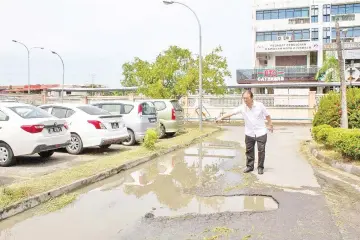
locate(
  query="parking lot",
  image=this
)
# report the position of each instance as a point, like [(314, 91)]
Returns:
[(32, 166)]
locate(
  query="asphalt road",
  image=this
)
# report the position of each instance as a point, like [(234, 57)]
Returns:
[(201, 193)]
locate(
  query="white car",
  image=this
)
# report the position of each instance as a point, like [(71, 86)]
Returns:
[(27, 130), (89, 126)]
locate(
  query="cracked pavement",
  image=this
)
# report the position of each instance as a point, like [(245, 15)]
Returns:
[(201, 193)]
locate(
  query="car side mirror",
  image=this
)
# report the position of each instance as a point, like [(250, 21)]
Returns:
[(7, 118)]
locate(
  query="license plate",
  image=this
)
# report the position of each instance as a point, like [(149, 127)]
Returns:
[(115, 125), (54, 130), (152, 120)]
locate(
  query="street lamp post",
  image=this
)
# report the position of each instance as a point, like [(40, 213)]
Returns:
[(63, 76), (200, 57), (28, 50)]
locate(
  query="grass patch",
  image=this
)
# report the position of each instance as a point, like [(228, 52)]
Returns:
[(59, 203), (22, 190), (330, 153)]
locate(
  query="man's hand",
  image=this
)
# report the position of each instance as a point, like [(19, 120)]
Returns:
[(271, 128), (218, 119)]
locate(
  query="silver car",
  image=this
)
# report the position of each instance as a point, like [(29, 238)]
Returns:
[(138, 117)]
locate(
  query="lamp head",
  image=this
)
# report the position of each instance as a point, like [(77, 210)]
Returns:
[(168, 2)]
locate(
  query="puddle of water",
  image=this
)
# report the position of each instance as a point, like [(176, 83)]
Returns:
[(208, 205), (117, 203)]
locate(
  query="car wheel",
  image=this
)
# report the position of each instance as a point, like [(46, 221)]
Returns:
[(131, 140), (76, 145), (6, 155), (171, 134), (46, 154), (105, 146), (162, 132)]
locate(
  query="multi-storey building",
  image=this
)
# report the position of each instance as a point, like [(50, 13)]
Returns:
[(292, 38)]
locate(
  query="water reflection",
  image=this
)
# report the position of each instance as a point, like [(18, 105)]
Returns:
[(196, 166), (117, 203)]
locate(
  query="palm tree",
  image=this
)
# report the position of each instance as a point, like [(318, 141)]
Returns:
[(330, 71)]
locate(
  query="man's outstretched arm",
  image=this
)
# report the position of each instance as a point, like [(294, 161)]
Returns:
[(229, 114)]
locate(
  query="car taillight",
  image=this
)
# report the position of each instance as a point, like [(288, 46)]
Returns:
[(97, 124), (66, 126), (140, 109), (33, 128), (173, 116)]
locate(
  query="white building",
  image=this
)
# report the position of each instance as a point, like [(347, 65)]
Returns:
[(291, 38)]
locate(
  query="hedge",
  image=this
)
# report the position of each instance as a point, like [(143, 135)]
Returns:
[(329, 109), (345, 141)]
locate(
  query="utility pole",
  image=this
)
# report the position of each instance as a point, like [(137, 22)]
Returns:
[(344, 115)]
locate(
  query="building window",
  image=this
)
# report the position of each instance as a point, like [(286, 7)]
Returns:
[(351, 32), (345, 9), (314, 14), (326, 35), (267, 15), (301, 34), (259, 15), (326, 12), (282, 13), (314, 34)]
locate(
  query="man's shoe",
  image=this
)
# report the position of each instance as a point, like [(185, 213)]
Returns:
[(261, 171), (248, 169)]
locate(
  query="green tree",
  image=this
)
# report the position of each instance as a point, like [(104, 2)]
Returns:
[(330, 71), (175, 73)]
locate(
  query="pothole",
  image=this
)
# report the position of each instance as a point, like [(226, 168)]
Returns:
[(218, 204)]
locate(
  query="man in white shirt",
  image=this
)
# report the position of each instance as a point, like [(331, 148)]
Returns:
[(254, 114)]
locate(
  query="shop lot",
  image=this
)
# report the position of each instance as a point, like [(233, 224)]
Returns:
[(28, 167)]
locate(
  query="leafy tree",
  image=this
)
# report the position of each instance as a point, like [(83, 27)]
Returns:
[(330, 71), (175, 73)]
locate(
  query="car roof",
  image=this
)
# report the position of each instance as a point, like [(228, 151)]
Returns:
[(163, 99), (69, 105), (116, 101)]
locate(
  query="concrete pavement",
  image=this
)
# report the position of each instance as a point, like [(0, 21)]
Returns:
[(198, 193)]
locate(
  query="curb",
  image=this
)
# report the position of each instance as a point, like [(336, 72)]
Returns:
[(349, 168), (36, 200)]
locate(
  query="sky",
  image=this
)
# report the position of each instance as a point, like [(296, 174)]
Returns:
[(95, 37)]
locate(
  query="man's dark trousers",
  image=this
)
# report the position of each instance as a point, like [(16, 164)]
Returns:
[(250, 150)]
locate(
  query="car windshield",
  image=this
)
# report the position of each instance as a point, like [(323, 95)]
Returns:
[(29, 112), (92, 110)]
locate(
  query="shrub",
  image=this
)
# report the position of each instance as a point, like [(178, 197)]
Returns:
[(329, 109), (150, 138), (323, 129), (345, 141)]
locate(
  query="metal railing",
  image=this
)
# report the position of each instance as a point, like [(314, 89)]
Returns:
[(269, 100)]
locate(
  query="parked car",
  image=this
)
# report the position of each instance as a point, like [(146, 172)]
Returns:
[(138, 117), (27, 130), (89, 126), (171, 116)]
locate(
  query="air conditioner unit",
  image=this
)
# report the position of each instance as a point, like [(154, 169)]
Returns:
[(280, 38), (288, 38)]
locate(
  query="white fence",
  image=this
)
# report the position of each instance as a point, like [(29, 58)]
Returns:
[(281, 107)]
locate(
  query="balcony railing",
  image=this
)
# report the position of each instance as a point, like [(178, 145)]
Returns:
[(299, 20), (278, 73)]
